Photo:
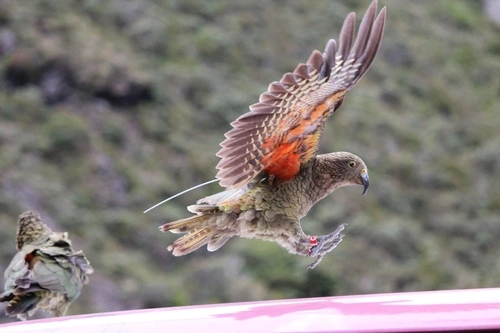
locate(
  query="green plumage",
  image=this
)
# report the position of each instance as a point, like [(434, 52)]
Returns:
[(46, 274)]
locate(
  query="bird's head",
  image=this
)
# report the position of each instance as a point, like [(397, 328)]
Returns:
[(347, 169), (31, 230)]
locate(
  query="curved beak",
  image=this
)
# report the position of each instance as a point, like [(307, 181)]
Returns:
[(365, 180)]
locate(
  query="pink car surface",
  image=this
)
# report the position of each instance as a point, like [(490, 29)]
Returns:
[(453, 310)]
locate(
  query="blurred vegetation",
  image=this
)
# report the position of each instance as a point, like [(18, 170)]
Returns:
[(107, 107)]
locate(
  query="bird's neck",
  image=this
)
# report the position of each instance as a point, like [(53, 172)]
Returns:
[(323, 177), (312, 183)]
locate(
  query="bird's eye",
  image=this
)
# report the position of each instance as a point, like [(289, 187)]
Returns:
[(352, 164)]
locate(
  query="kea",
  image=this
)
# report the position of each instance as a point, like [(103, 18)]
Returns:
[(269, 163), (46, 273)]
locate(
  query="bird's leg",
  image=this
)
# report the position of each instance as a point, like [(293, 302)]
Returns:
[(321, 245)]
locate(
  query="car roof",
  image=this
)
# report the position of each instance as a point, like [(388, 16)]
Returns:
[(433, 311)]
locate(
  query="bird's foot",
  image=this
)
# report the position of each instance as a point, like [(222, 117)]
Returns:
[(321, 245)]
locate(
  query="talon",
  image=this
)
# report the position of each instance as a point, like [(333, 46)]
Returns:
[(315, 263), (319, 244)]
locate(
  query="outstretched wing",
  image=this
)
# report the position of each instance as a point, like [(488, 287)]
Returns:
[(281, 132)]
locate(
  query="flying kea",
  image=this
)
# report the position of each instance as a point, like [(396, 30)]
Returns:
[(46, 274), (269, 163)]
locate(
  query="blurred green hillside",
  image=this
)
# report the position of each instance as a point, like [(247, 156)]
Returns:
[(107, 107)]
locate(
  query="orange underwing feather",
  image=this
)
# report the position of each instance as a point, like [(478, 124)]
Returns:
[(281, 132)]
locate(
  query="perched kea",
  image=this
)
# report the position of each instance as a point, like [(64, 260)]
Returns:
[(269, 162), (46, 274)]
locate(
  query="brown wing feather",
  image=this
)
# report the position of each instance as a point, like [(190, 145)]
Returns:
[(280, 133)]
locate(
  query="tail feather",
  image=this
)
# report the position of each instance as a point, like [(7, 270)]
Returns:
[(191, 241), (217, 240), (201, 229), (198, 233), (184, 225), (22, 304)]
